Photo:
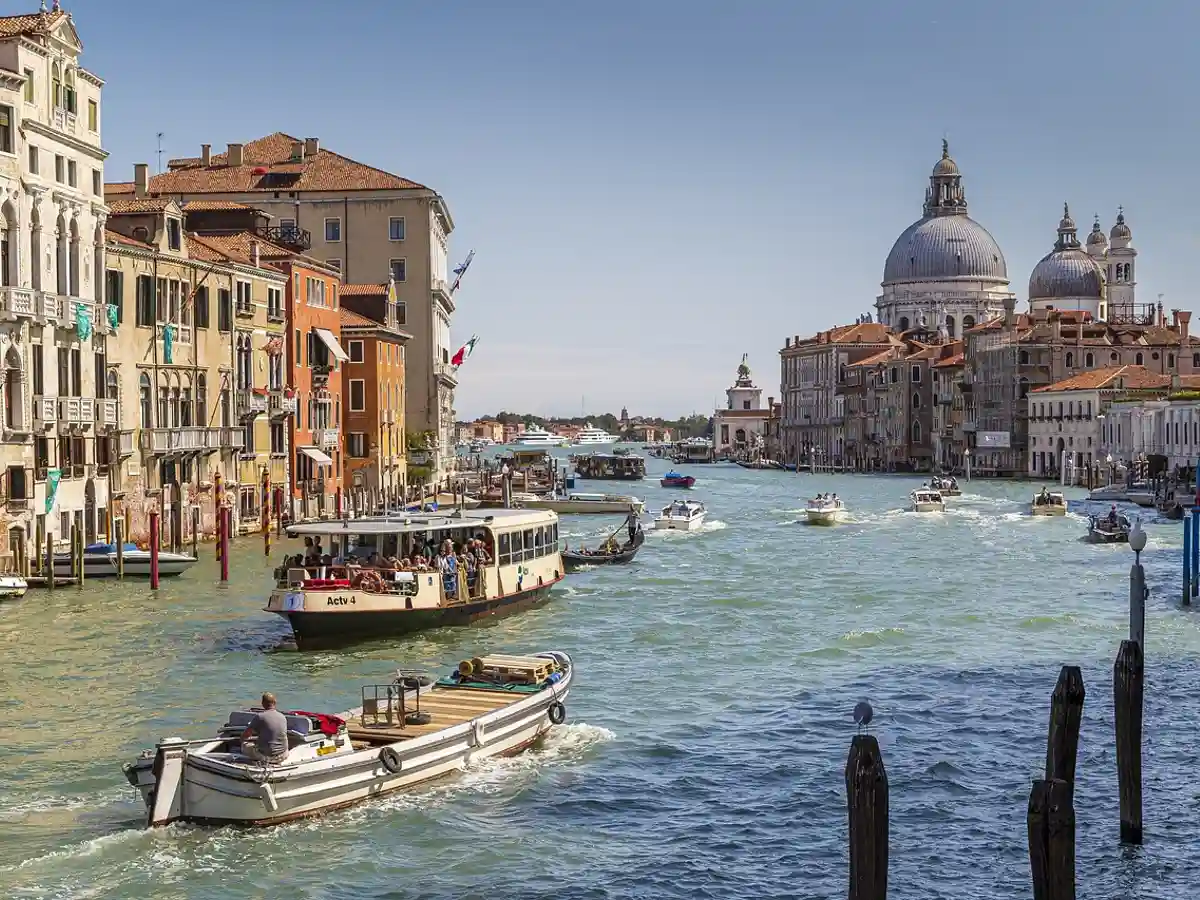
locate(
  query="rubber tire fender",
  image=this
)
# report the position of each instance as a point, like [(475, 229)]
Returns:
[(391, 760), (557, 712)]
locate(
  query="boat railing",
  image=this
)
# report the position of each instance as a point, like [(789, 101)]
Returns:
[(389, 702), (371, 579)]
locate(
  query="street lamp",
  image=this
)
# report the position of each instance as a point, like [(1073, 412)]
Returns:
[(1138, 592), (967, 458)]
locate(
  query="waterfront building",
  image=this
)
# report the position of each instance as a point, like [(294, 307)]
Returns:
[(53, 337), (1065, 418), (377, 457), (949, 440), (945, 266), (741, 426), (371, 225), (483, 428)]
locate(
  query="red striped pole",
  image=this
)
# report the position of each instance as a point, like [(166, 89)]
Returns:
[(223, 540), (154, 550)]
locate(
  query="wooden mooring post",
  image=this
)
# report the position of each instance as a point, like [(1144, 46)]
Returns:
[(155, 537), (1066, 714), (867, 804), (1128, 683), (49, 558), (119, 530), (1050, 819), (224, 521)]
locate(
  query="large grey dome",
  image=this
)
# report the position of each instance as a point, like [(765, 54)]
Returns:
[(944, 248), (1067, 270)]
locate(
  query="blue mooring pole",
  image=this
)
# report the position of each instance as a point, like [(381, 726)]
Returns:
[(1195, 550), (1187, 560)]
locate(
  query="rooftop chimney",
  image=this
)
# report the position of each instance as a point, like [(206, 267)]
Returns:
[(297, 151), (311, 146), (235, 156), (1185, 320), (141, 179), (254, 253), (1010, 312), (206, 155)]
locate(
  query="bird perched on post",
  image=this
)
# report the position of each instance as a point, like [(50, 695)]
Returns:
[(863, 714)]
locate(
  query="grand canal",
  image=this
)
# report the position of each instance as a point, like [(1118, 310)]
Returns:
[(707, 733)]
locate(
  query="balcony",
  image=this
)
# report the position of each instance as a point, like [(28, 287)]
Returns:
[(446, 373), (67, 308), (249, 403), (280, 405), (325, 438), (244, 310), (320, 375), (76, 411), (64, 121), (231, 438), (25, 302), (125, 443), (106, 413), (175, 440), (45, 411), (288, 236)]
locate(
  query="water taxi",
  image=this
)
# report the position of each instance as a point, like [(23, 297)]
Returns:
[(682, 515), (389, 576), (576, 503), (1110, 529), (100, 561), (927, 500), (825, 510), (1048, 503), (405, 732), (675, 479)]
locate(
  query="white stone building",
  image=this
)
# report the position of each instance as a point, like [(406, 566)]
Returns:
[(53, 320), (945, 269), (741, 426)]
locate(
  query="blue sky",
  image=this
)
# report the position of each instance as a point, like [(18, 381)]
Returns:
[(655, 188)]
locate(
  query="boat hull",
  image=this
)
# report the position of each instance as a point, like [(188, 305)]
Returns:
[(692, 524), (137, 564), (1047, 509), (929, 507), (685, 482), (823, 516), (585, 507), (318, 630)]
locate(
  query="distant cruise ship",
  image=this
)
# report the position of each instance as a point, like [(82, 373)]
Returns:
[(538, 437), (592, 435)]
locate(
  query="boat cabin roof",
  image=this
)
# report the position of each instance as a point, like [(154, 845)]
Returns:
[(926, 492), (498, 519)]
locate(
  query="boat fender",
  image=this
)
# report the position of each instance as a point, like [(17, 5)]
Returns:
[(390, 759), (557, 712), (418, 718), (268, 797)]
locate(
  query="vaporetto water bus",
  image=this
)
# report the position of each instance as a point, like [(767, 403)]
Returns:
[(388, 576)]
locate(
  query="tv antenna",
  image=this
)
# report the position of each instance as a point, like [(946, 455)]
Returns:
[(160, 137)]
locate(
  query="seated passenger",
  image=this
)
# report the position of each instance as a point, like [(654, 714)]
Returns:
[(268, 729)]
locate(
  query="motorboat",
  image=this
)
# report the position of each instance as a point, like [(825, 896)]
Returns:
[(1110, 529), (100, 561), (610, 552), (947, 487), (387, 578), (12, 586), (407, 731), (577, 503), (1115, 493), (825, 510), (609, 466), (1048, 503), (539, 437), (675, 479), (927, 500), (592, 435), (760, 464), (682, 515)]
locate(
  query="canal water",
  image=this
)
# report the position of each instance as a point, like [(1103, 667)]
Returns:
[(706, 736)]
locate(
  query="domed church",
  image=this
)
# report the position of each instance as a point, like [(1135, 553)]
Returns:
[(945, 268), (1098, 280)]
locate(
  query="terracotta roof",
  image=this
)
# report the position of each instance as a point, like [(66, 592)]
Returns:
[(118, 238), (863, 333), (875, 360), (957, 359), (197, 249), (351, 319), (323, 171), (133, 206), (1114, 378), (364, 290), (118, 188), (239, 247), (35, 23), (213, 205)]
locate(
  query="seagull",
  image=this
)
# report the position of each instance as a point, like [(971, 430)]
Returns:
[(863, 714)]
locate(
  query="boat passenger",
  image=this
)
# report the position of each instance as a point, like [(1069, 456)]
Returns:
[(1043, 497), (269, 732), (1112, 514)]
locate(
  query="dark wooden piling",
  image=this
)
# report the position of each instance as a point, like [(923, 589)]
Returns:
[(119, 531), (1128, 683), (155, 537), (867, 803), (1066, 713), (1051, 828), (196, 532), (224, 520)]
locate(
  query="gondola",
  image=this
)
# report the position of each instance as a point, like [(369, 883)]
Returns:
[(573, 559)]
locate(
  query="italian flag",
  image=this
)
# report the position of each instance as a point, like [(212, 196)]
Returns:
[(464, 351)]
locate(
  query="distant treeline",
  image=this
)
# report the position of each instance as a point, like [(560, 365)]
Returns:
[(688, 426)]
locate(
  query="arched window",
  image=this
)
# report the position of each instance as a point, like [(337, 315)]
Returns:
[(1089, 360), (185, 406), (112, 388), (895, 375), (164, 407), (144, 398), (201, 399), (1070, 360), (916, 432), (968, 322), (1139, 360), (1170, 360), (73, 259), (950, 323), (56, 79), (1113, 357), (916, 403), (1024, 388), (1025, 358), (70, 103), (903, 324)]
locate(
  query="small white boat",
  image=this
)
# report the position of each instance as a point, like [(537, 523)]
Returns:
[(406, 732), (12, 586), (100, 561), (582, 503), (947, 487), (825, 510), (926, 500), (682, 515), (539, 437), (1048, 503)]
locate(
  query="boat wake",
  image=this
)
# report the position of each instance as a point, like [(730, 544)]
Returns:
[(705, 528)]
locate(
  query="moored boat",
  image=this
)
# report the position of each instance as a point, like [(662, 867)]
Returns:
[(100, 561), (1048, 503), (390, 576), (406, 732), (578, 503), (825, 510), (682, 515), (1110, 529), (926, 500), (12, 586), (610, 466), (675, 479)]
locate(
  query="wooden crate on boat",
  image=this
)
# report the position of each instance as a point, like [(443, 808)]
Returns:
[(522, 669)]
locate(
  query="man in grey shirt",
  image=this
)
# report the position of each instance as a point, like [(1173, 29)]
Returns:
[(269, 730)]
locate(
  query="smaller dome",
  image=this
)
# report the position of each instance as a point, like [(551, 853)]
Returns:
[(1097, 235), (1120, 231), (1066, 223), (1066, 273), (945, 165)]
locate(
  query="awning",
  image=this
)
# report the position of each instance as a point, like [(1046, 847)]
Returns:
[(330, 340), (317, 456)]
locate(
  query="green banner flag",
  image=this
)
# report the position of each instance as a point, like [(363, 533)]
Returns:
[(169, 343), (52, 477), (83, 321), (114, 317)]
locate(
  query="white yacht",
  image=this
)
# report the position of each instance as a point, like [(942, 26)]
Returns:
[(682, 515), (538, 437), (592, 435), (927, 500)]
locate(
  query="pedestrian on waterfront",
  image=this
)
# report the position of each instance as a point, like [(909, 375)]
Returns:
[(269, 731)]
